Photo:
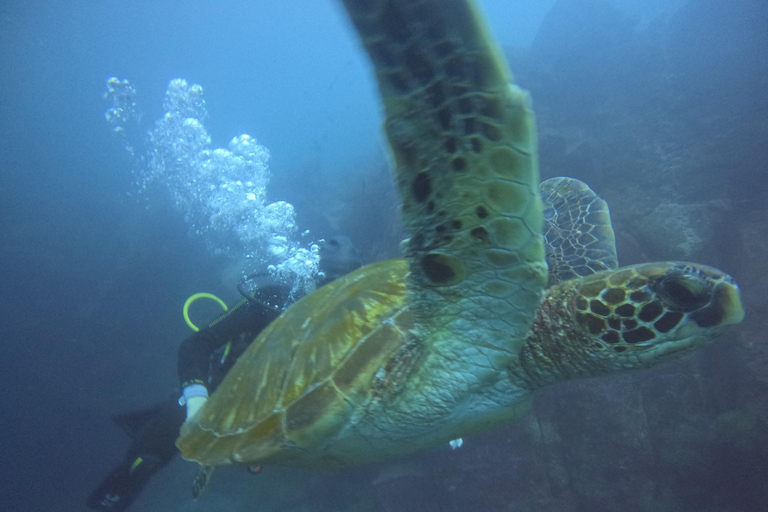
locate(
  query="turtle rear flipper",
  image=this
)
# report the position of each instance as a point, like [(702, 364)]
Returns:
[(201, 481)]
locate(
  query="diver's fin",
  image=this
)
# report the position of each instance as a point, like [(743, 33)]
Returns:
[(133, 422), (121, 487)]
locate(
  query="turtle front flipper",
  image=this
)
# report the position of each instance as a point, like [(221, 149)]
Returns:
[(465, 149), (577, 230)]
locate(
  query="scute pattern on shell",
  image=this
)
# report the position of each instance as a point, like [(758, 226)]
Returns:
[(300, 381)]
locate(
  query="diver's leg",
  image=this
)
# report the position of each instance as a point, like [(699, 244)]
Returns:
[(153, 448)]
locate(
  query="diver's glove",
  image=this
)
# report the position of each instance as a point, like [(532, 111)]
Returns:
[(194, 397), (194, 404)]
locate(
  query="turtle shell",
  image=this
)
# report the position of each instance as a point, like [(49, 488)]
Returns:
[(307, 374)]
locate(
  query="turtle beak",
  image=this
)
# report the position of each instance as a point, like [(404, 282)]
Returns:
[(729, 300), (724, 309)]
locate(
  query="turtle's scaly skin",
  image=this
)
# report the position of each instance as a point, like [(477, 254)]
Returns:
[(406, 354)]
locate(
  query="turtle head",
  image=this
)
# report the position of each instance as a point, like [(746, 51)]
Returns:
[(633, 317), (644, 314)]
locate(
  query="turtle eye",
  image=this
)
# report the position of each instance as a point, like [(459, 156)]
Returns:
[(682, 292)]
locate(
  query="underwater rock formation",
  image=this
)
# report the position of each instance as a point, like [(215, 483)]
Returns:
[(681, 231), (666, 123)]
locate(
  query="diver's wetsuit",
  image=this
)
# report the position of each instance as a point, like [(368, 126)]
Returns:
[(230, 333), (204, 358)]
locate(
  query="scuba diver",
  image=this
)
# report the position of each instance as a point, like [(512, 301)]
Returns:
[(203, 361)]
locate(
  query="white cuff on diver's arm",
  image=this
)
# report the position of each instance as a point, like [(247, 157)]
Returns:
[(192, 390)]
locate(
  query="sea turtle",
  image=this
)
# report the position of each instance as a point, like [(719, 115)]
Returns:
[(406, 354)]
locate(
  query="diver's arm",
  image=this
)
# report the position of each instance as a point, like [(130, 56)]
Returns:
[(246, 317), (194, 403), (194, 354)]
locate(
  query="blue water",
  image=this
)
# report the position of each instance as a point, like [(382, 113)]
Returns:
[(93, 277)]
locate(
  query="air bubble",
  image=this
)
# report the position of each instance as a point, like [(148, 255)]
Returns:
[(220, 192)]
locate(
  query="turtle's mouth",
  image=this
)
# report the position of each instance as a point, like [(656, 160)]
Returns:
[(725, 308), (704, 324), (681, 346)]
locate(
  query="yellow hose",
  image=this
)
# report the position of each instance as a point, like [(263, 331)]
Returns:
[(192, 299)]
